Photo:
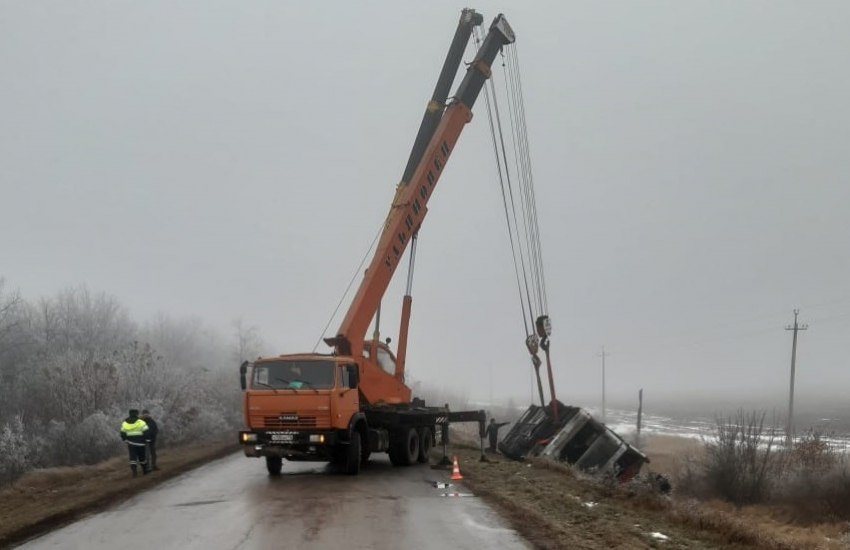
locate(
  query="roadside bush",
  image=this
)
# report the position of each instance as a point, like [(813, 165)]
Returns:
[(816, 483), (96, 437), (740, 463), (194, 422), (93, 439), (14, 450)]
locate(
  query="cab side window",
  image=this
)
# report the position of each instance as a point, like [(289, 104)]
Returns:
[(386, 362), (345, 376)]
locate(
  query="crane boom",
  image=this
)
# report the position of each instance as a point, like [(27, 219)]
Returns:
[(469, 19), (410, 204)]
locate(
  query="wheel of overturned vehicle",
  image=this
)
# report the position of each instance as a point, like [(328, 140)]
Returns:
[(424, 445), (274, 465), (352, 462)]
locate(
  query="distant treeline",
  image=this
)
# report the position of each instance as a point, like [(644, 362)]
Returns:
[(72, 365)]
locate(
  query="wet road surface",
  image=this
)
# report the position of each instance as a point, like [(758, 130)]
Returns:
[(233, 504)]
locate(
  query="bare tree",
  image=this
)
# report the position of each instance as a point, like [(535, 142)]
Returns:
[(10, 304), (79, 385), (13, 340), (247, 341), (89, 322)]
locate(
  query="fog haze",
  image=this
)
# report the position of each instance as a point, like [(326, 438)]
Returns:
[(223, 160)]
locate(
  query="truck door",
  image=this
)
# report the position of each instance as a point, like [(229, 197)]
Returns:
[(348, 401)]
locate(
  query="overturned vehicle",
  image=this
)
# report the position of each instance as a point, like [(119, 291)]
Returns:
[(571, 435)]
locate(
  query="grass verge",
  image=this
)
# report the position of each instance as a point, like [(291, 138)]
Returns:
[(555, 507), (43, 500)]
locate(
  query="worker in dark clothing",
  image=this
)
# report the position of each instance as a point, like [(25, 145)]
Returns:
[(153, 429), (493, 433), (134, 432)]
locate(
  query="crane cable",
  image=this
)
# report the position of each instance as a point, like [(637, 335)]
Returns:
[(524, 237), (357, 272), (513, 86), (507, 189)]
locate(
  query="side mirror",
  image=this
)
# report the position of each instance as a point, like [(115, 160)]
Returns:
[(243, 372), (353, 376)]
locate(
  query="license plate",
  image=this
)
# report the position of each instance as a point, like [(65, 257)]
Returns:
[(282, 438)]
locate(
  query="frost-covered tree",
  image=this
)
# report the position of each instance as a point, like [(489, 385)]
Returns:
[(71, 366), (14, 450)]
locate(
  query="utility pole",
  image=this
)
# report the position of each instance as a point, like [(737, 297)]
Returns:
[(602, 355), (789, 428), (639, 415)]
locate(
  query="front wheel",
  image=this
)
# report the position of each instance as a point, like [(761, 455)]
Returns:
[(274, 465)]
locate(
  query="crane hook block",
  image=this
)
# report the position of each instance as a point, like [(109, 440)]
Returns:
[(544, 326), (532, 343)]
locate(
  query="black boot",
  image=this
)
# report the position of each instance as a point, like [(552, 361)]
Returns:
[(135, 473)]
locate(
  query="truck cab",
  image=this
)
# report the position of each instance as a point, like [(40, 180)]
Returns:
[(296, 406)]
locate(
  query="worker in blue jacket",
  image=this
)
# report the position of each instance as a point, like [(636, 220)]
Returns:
[(153, 430)]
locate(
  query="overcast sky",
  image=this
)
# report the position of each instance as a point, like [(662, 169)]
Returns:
[(223, 159)]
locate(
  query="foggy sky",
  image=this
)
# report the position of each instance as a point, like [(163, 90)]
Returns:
[(224, 159)]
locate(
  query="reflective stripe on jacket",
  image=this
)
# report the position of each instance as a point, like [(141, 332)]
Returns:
[(136, 431)]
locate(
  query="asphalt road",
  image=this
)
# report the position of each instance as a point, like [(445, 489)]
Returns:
[(233, 504)]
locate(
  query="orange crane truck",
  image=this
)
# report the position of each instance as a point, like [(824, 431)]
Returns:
[(343, 406)]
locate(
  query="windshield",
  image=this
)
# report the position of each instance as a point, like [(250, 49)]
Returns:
[(289, 375)]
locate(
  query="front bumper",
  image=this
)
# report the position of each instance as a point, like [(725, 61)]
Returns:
[(290, 444)]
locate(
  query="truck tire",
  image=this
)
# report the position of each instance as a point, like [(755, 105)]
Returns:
[(424, 445), (353, 458), (339, 456), (274, 465), (409, 447)]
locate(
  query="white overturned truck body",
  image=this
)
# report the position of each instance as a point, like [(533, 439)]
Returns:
[(575, 438)]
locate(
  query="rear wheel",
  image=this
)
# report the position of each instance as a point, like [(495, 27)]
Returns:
[(353, 458), (409, 447), (274, 465), (424, 445)]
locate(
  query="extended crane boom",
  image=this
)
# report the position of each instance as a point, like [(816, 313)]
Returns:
[(469, 19), (410, 204)]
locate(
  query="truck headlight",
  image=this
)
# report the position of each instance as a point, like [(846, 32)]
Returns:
[(248, 437), (317, 438)]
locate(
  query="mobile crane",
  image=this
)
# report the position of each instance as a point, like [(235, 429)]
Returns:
[(343, 406)]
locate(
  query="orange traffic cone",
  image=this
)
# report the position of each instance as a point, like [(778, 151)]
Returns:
[(456, 472)]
